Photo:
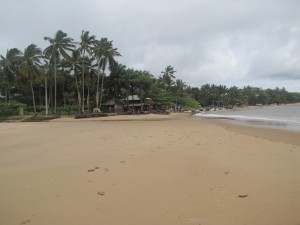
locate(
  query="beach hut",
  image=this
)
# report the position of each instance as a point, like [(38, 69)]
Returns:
[(136, 104), (113, 106)]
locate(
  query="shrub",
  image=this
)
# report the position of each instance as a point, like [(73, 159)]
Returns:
[(68, 110), (8, 109)]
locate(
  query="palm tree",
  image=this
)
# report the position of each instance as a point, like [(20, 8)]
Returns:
[(115, 81), (132, 84), (46, 69), (104, 54), (8, 65), (167, 76), (30, 66), (144, 81), (74, 65), (1, 77), (92, 73), (85, 46), (178, 91), (59, 45), (222, 89)]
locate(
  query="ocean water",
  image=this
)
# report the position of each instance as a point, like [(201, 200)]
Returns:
[(279, 117)]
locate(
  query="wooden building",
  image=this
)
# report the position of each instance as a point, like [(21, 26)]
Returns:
[(113, 106), (136, 104)]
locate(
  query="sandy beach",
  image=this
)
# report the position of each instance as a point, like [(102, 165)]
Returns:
[(147, 170)]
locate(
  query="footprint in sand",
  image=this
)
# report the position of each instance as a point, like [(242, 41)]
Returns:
[(102, 193), (25, 221), (92, 170), (242, 196), (123, 162)]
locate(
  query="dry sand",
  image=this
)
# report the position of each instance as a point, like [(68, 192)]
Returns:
[(149, 171)]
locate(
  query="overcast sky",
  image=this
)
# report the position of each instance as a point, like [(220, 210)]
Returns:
[(228, 42)]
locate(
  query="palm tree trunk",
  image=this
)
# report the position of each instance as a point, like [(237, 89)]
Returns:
[(6, 90), (51, 96), (6, 94), (33, 98), (101, 96), (64, 95), (127, 99), (132, 100), (78, 92), (40, 97), (83, 81), (97, 92), (88, 98), (55, 86), (46, 96)]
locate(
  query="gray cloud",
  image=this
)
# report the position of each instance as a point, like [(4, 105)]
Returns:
[(234, 42)]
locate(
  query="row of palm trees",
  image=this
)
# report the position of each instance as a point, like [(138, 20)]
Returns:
[(27, 65), (220, 95), (100, 50), (63, 52), (76, 72)]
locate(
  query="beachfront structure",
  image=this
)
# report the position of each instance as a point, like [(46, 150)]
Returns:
[(135, 104), (113, 106), (132, 104)]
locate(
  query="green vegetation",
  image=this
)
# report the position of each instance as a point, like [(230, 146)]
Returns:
[(71, 77)]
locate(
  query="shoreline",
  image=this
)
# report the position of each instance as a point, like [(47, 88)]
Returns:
[(271, 134), (142, 117), (261, 119)]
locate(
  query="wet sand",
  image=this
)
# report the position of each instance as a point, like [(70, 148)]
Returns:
[(151, 170)]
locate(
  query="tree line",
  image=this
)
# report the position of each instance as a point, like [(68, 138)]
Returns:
[(82, 75)]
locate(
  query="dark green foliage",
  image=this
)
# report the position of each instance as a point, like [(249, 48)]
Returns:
[(68, 110), (161, 97), (40, 109), (190, 103), (8, 110)]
